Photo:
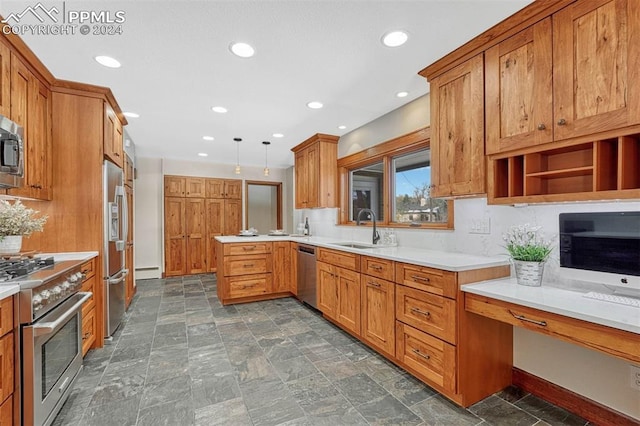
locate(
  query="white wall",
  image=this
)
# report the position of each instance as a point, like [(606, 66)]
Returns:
[(597, 376), (149, 214)]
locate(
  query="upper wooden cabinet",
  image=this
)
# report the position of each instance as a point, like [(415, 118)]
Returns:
[(316, 172), (31, 108), (175, 186), (113, 148), (595, 69), (5, 79), (457, 136), (519, 98), (224, 188), (195, 187), (129, 171)]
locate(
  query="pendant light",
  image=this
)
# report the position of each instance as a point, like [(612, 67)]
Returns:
[(266, 161), (238, 140)]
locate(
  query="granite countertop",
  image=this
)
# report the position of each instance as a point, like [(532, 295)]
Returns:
[(569, 303), (438, 259)]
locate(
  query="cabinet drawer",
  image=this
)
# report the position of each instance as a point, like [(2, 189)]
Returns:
[(246, 248), (379, 268), (88, 330), (432, 359), (612, 341), (88, 286), (245, 265), (428, 279), (6, 366), (427, 312), (6, 315), (249, 285), (339, 258), (89, 268)]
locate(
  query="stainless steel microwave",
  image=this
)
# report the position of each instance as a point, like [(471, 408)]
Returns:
[(601, 241), (11, 154)]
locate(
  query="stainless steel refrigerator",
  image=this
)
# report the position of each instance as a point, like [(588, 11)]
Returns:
[(115, 233)]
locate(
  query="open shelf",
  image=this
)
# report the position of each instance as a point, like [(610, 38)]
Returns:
[(602, 169)]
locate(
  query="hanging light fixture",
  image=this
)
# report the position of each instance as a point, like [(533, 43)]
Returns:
[(238, 140), (266, 162)]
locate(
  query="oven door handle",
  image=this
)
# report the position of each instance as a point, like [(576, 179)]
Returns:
[(41, 329)]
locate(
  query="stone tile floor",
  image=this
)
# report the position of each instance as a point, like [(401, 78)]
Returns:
[(181, 358)]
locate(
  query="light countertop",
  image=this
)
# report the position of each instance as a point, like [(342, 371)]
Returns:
[(447, 261), (7, 290), (80, 255), (569, 303)]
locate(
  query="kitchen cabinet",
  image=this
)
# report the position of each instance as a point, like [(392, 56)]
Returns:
[(5, 79), (339, 292), (215, 226), (457, 130), (175, 186), (31, 108), (232, 217), (224, 188), (185, 236), (293, 271), (89, 325), (113, 148), (129, 171), (175, 243), (281, 266), (195, 187), (316, 172), (7, 361), (378, 314)]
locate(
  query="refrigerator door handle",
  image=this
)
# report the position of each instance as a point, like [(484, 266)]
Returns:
[(120, 278), (125, 216)]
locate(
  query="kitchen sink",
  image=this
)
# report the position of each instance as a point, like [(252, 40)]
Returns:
[(354, 245)]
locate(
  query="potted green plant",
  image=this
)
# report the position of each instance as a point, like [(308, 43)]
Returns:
[(16, 221), (529, 251)]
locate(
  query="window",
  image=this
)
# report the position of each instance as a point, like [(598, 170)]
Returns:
[(393, 179)]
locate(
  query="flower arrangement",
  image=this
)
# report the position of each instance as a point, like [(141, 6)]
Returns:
[(17, 219), (525, 243)]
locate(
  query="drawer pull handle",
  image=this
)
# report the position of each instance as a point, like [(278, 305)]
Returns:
[(376, 267), (248, 286), (421, 312), (248, 265), (86, 335), (247, 248), (419, 278), (374, 284), (420, 354), (523, 318)]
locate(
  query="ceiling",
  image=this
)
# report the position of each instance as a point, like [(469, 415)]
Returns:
[(176, 65)]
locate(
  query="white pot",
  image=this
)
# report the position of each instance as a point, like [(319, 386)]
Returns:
[(11, 244)]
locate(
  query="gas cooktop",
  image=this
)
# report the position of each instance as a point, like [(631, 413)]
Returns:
[(13, 268)]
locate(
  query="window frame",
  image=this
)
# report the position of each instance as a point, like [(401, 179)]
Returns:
[(385, 152)]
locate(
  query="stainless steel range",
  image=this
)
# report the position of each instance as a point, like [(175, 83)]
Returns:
[(50, 304)]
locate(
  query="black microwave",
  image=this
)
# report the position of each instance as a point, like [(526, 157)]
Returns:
[(11, 154), (601, 241)]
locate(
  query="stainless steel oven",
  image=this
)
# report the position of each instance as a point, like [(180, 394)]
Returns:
[(52, 358)]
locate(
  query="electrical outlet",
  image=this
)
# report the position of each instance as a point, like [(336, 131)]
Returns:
[(634, 377), (480, 226)]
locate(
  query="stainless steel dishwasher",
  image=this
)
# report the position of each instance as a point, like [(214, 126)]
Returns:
[(307, 275)]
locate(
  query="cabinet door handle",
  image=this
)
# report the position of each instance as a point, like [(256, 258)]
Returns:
[(541, 126), (419, 278), (562, 122), (421, 312), (420, 354), (86, 335), (523, 318), (374, 284)]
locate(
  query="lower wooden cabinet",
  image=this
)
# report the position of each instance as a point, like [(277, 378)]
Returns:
[(248, 285), (281, 266), (89, 319), (8, 363), (6, 412), (339, 292), (378, 300), (426, 356), (429, 312)]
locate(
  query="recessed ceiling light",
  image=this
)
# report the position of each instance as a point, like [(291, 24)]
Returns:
[(342, 127), (108, 61), (202, 154), (208, 138), (278, 135), (315, 105), (131, 114), (242, 50), (219, 109), (395, 38), (402, 94)]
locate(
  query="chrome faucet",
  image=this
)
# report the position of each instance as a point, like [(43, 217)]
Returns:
[(376, 236)]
